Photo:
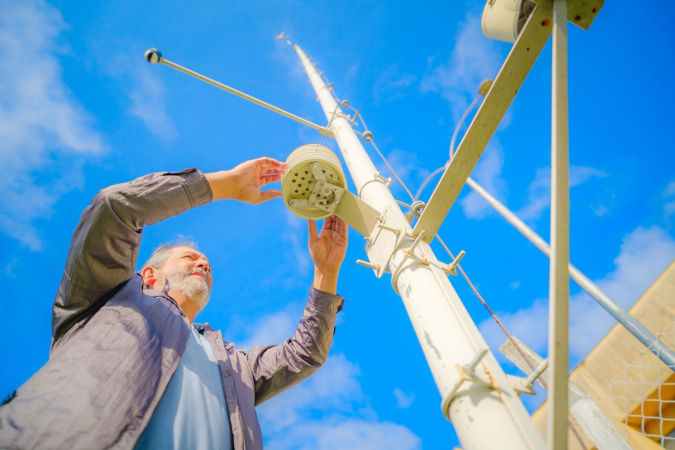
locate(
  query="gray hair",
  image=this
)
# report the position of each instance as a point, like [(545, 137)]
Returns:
[(162, 253)]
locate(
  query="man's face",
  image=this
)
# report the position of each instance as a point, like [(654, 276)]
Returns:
[(188, 271), (186, 259)]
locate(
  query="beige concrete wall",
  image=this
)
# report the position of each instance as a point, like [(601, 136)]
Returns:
[(619, 349)]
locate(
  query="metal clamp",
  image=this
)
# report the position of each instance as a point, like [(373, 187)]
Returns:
[(417, 207), (337, 113), (377, 177), (526, 385), (375, 267), (534, 376), (466, 373), (355, 116), (451, 268)]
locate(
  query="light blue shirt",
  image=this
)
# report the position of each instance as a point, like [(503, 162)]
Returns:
[(192, 413)]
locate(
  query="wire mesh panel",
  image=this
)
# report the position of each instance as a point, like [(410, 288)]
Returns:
[(641, 400)]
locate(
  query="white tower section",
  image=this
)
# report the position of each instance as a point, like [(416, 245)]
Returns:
[(477, 396)]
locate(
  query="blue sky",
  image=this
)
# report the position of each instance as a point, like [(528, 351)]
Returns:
[(80, 109)]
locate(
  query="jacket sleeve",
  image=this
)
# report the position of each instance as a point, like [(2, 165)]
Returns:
[(104, 247), (277, 368)]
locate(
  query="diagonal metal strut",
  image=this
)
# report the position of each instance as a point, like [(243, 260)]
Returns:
[(507, 83)]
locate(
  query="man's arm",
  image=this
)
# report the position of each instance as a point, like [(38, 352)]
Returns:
[(104, 247), (276, 368)]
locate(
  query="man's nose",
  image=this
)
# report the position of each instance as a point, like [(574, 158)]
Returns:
[(203, 264)]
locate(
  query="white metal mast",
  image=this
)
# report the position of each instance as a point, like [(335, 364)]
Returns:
[(477, 396)]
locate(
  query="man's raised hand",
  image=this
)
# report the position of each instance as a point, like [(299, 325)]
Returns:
[(245, 181), (327, 250)]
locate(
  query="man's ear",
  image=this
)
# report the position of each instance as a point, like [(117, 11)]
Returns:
[(149, 275)]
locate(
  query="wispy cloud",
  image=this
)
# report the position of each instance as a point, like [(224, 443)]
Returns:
[(644, 254), (403, 400), (328, 410), (145, 91), (272, 329), (539, 192), (392, 84), (473, 59), (488, 175), (46, 134)]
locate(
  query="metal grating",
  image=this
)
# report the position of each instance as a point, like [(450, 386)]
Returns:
[(642, 398)]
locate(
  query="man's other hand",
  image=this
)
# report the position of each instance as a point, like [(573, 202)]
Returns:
[(243, 183), (327, 250)]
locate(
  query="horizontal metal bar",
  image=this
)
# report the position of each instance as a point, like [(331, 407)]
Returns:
[(507, 83), (323, 130)]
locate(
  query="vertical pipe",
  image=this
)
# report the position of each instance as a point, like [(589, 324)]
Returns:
[(559, 276), (448, 336), (633, 326)]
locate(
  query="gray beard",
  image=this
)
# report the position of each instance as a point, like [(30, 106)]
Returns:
[(195, 289)]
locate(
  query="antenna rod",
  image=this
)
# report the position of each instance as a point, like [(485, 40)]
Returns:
[(631, 324), (154, 56)]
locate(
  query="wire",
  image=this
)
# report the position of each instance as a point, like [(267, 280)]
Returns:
[(459, 124), (509, 336), (372, 142), (494, 316), (429, 178)]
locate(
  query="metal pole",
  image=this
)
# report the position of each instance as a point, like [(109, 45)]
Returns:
[(154, 56), (558, 341), (476, 394), (629, 322)]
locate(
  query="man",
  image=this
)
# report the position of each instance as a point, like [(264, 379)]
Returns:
[(128, 368)]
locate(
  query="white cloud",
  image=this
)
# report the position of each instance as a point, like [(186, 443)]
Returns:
[(669, 194), (353, 434), (146, 92), (272, 329), (644, 254), (488, 175), (403, 400), (539, 192), (328, 410), (473, 59), (46, 134), (391, 84), (600, 210)]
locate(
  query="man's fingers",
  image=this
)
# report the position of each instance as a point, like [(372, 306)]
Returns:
[(327, 223), (341, 228), (270, 179), (313, 235), (269, 195), (271, 162), (267, 170)]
